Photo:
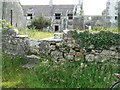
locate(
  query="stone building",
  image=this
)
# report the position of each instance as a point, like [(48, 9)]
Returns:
[(0, 9), (0, 13), (62, 16), (111, 13), (12, 12), (91, 21)]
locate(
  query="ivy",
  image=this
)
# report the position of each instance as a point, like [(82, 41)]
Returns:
[(101, 40)]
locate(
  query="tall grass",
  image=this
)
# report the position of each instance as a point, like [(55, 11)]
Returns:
[(35, 34), (50, 74), (12, 71)]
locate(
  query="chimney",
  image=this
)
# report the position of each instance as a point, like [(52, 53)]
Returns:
[(80, 2), (51, 3)]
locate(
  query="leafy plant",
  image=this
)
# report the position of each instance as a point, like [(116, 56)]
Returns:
[(101, 40), (39, 23)]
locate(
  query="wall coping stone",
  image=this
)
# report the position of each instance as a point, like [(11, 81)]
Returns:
[(54, 40), (22, 36)]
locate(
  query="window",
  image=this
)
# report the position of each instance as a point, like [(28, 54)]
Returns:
[(29, 16), (116, 17), (70, 16), (11, 16), (57, 16)]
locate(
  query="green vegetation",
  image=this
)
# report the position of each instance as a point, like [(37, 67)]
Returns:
[(5, 26), (35, 34), (40, 23), (12, 72), (101, 40), (63, 74), (119, 22), (32, 33), (100, 28), (50, 74)]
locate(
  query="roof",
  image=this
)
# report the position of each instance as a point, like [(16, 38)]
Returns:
[(48, 10)]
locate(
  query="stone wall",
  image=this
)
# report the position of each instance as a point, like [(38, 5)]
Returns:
[(64, 48), (14, 44)]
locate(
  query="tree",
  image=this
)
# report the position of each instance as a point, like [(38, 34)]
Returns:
[(39, 23)]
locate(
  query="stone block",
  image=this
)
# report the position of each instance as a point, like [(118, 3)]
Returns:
[(56, 54), (90, 57), (113, 48), (104, 57), (58, 35), (52, 47), (108, 53), (13, 32), (98, 58), (78, 55), (68, 56)]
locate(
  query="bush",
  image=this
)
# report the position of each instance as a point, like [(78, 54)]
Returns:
[(101, 40), (39, 23)]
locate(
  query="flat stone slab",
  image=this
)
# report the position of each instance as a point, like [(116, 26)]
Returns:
[(32, 57), (52, 39), (22, 36)]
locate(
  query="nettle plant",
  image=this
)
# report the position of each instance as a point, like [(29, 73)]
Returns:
[(100, 41)]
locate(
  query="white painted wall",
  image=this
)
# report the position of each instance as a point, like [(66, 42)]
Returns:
[(112, 11)]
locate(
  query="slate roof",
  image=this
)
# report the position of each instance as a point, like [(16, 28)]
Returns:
[(48, 10)]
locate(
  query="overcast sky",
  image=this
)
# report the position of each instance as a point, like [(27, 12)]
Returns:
[(91, 7)]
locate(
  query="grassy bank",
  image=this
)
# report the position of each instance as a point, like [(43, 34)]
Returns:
[(35, 34), (48, 74)]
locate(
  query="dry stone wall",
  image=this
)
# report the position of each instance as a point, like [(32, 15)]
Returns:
[(14, 44), (59, 49)]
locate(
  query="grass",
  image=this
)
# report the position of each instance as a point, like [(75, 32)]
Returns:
[(49, 74), (98, 29), (12, 71), (35, 34)]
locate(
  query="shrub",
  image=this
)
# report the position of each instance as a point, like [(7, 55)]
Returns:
[(39, 23), (101, 40)]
